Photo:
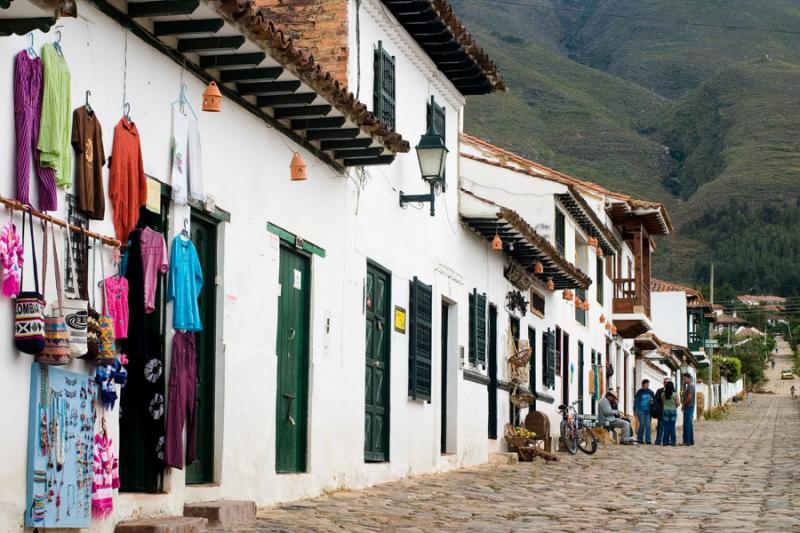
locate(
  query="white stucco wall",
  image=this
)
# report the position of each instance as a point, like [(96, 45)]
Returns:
[(669, 317)]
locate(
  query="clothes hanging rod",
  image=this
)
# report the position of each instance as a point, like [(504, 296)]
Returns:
[(19, 206)]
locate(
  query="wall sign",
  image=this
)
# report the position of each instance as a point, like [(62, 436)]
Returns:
[(298, 279), (399, 319), (153, 203), (518, 277)]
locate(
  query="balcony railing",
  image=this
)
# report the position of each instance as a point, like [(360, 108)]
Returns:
[(631, 297), (696, 341)]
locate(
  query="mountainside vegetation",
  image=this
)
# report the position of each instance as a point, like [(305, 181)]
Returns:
[(693, 104)]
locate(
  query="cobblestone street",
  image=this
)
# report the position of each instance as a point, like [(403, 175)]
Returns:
[(741, 475)]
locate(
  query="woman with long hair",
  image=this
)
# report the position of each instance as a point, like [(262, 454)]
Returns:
[(671, 401)]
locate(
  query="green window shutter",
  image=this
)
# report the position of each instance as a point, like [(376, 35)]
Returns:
[(561, 232), (600, 280), (545, 358), (421, 341), (436, 119), (580, 314), (384, 86), (551, 359), (477, 327)]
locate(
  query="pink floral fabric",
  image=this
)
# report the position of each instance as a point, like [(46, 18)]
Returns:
[(11, 257), (106, 476)]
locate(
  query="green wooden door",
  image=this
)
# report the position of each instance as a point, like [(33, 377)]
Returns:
[(292, 391), (376, 412), (204, 237)]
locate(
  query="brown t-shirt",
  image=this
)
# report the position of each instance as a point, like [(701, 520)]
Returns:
[(87, 140)]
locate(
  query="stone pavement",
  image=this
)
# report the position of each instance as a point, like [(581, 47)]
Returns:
[(742, 474)]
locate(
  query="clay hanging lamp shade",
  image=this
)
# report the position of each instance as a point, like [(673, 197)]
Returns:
[(586, 305), (613, 330), (602, 319), (567, 295), (538, 268), (497, 243), (599, 252), (212, 98), (298, 168), (578, 303), (550, 285)]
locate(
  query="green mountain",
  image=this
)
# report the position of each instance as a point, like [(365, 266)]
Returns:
[(694, 104)]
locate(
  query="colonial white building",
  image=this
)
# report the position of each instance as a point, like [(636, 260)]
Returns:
[(350, 338)]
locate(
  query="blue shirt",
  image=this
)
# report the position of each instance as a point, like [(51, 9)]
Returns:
[(643, 399), (185, 282)]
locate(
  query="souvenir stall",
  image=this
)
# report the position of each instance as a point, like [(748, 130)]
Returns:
[(114, 322)]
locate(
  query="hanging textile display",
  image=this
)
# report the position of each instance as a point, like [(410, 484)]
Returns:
[(11, 257), (55, 129), (60, 448), (28, 88), (154, 262), (187, 165), (127, 188), (181, 408), (29, 306), (75, 309), (107, 376), (115, 291), (185, 282), (105, 466), (56, 334), (87, 140)]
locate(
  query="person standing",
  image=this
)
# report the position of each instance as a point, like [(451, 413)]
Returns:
[(687, 399), (671, 402), (749, 397), (643, 401), (657, 412)]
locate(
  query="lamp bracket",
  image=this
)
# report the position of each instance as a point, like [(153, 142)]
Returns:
[(420, 198)]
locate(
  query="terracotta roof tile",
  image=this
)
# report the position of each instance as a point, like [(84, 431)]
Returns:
[(303, 65)]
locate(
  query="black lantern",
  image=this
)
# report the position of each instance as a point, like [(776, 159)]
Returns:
[(432, 156)]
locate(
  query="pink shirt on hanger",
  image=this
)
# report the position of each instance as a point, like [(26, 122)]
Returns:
[(154, 261), (116, 293)]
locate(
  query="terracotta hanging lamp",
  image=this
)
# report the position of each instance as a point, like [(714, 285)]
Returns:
[(298, 168), (497, 243), (586, 305), (599, 252), (212, 98), (538, 268), (578, 303), (567, 295), (550, 285), (613, 330), (602, 319), (608, 326)]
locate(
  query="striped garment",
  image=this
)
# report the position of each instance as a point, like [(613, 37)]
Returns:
[(105, 478), (27, 113)]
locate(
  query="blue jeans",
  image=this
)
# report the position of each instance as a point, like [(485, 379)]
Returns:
[(643, 434), (660, 429), (669, 418), (688, 425)]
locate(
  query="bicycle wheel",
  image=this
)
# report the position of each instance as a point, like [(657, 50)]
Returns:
[(587, 442), (568, 439)]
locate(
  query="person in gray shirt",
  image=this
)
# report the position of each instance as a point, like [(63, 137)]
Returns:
[(608, 417)]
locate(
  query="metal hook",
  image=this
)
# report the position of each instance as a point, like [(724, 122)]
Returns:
[(127, 110), (30, 34), (88, 94)]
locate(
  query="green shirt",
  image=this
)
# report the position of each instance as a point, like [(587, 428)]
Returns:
[(669, 403), (54, 146)]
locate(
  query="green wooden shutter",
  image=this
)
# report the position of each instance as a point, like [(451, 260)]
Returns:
[(384, 86), (561, 232), (436, 119), (580, 314), (421, 341), (551, 359), (600, 280), (477, 327)]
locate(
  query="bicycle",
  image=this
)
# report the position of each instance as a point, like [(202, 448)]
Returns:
[(575, 434)]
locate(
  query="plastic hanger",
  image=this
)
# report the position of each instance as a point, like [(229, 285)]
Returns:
[(88, 105), (31, 52), (57, 44), (185, 231), (183, 101)]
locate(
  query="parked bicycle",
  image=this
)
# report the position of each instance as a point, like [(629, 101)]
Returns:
[(575, 434)]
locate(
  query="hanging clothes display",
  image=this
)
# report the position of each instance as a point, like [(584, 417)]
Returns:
[(28, 89), (181, 407), (105, 468), (127, 188), (187, 164), (11, 257), (54, 133), (185, 282), (154, 261), (87, 140), (115, 292)]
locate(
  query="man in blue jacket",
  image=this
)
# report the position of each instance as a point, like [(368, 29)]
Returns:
[(642, 402)]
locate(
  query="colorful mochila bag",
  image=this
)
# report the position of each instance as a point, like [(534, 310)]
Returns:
[(29, 305), (106, 350), (92, 316), (74, 309), (56, 333)]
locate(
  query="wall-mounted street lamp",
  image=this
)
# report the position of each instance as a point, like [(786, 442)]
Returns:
[(432, 155)]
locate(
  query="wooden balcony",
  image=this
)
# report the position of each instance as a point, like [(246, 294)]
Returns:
[(631, 307)]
